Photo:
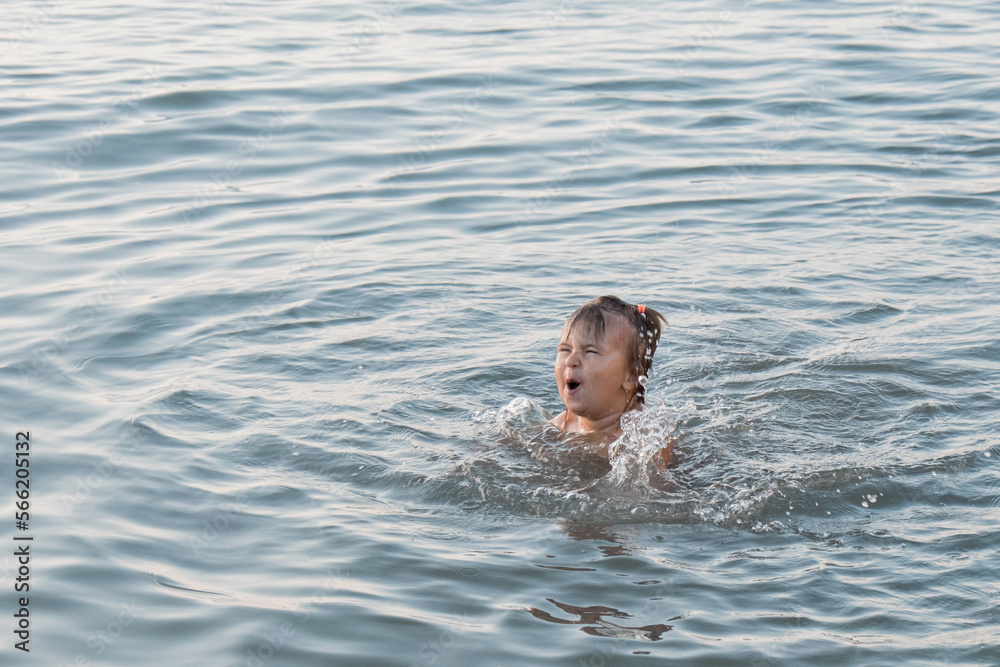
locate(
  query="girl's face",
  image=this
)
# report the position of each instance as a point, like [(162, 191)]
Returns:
[(592, 370)]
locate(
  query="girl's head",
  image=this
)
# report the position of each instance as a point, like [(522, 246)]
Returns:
[(642, 324), (605, 355)]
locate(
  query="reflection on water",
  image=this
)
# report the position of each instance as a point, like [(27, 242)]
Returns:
[(585, 530), (594, 621)]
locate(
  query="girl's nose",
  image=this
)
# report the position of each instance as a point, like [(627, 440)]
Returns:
[(573, 359)]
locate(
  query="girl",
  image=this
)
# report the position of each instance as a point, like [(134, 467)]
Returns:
[(602, 365)]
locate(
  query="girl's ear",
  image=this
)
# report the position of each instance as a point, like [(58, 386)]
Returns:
[(630, 384)]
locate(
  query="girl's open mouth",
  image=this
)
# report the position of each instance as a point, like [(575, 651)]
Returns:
[(572, 385)]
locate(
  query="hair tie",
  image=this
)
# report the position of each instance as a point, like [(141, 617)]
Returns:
[(641, 308)]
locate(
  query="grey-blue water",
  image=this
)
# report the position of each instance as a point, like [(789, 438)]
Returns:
[(283, 284)]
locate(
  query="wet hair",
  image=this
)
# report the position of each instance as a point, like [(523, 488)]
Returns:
[(645, 328)]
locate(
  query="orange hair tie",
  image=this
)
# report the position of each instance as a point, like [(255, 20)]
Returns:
[(641, 308)]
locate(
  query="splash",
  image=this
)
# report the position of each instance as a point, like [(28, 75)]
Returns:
[(538, 468), (721, 471), (637, 463)]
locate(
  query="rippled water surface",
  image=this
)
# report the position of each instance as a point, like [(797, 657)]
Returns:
[(283, 285)]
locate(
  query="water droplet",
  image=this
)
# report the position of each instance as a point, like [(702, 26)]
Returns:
[(512, 488), (639, 510), (872, 498), (643, 380), (360, 367), (986, 454), (864, 503)]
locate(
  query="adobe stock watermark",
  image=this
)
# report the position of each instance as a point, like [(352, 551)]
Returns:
[(452, 119), (984, 280), (224, 518), (708, 33), (796, 622), (86, 484), (42, 357), (78, 152), (901, 16), (222, 7), (432, 650), (266, 306), (370, 29), (103, 638), (942, 141), (362, 37), (565, 9), (30, 27), (582, 157), (869, 214), (789, 127), (274, 639), (246, 154)]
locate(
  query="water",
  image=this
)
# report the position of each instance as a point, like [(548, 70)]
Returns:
[(284, 284)]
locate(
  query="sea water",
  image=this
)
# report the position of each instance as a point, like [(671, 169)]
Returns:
[(284, 281)]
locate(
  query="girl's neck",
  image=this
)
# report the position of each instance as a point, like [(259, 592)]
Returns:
[(610, 425)]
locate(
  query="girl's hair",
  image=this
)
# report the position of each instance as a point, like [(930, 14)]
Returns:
[(644, 323)]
